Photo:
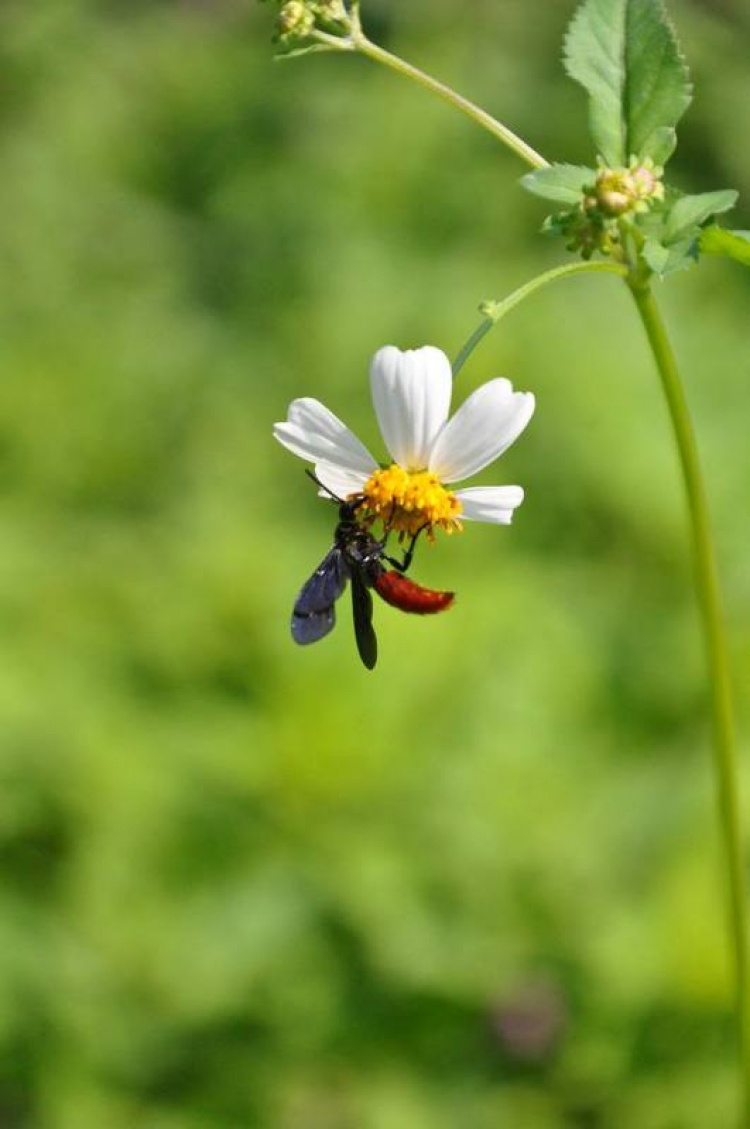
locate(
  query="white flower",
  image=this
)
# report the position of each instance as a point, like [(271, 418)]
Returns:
[(411, 392)]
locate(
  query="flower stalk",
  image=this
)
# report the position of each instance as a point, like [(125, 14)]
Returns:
[(501, 132), (709, 597), (494, 311)]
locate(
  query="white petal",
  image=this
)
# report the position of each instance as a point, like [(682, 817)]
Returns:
[(411, 392), (483, 427), (490, 503), (316, 434), (339, 482)]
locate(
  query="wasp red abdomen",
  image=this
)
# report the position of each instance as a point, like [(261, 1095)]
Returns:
[(402, 593)]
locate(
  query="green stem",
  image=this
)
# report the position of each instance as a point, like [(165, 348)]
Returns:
[(725, 757), (361, 43), (494, 311)]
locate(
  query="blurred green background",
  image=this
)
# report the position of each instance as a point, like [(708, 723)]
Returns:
[(245, 885)]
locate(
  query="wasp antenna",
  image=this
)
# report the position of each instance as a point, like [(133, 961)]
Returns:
[(311, 474)]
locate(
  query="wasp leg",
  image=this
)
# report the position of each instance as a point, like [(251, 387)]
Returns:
[(403, 566)]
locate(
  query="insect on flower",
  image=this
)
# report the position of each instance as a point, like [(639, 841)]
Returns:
[(358, 556), (410, 493), (429, 451)]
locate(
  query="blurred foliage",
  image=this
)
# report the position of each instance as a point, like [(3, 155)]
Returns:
[(244, 885)]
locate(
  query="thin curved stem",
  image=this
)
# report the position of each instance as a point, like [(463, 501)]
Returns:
[(494, 311), (521, 148), (707, 581)]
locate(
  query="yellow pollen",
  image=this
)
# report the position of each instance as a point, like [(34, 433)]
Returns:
[(407, 501)]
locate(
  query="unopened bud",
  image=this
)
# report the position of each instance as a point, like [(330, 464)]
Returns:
[(332, 10), (647, 184), (295, 20), (615, 191)]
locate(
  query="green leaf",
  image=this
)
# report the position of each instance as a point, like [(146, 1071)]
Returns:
[(735, 245), (625, 54), (564, 183), (691, 211), (662, 145), (666, 260)]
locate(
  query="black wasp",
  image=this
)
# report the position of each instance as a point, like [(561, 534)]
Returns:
[(358, 557)]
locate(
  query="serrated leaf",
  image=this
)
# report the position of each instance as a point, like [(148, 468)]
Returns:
[(661, 146), (734, 244), (564, 183), (625, 54), (666, 260), (651, 224), (691, 211)]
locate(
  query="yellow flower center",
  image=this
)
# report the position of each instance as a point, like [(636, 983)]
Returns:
[(407, 501)]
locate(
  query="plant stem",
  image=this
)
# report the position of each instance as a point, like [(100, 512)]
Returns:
[(707, 580), (523, 150), (494, 311)]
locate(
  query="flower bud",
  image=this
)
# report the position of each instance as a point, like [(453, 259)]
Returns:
[(615, 191), (332, 10), (295, 20), (647, 184), (586, 230)]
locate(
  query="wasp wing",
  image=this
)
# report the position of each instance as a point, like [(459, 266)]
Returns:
[(310, 628), (324, 586), (367, 642), (314, 614)]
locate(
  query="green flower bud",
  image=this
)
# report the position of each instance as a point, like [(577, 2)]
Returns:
[(331, 10), (586, 230), (295, 21), (647, 183), (618, 192), (615, 191)]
